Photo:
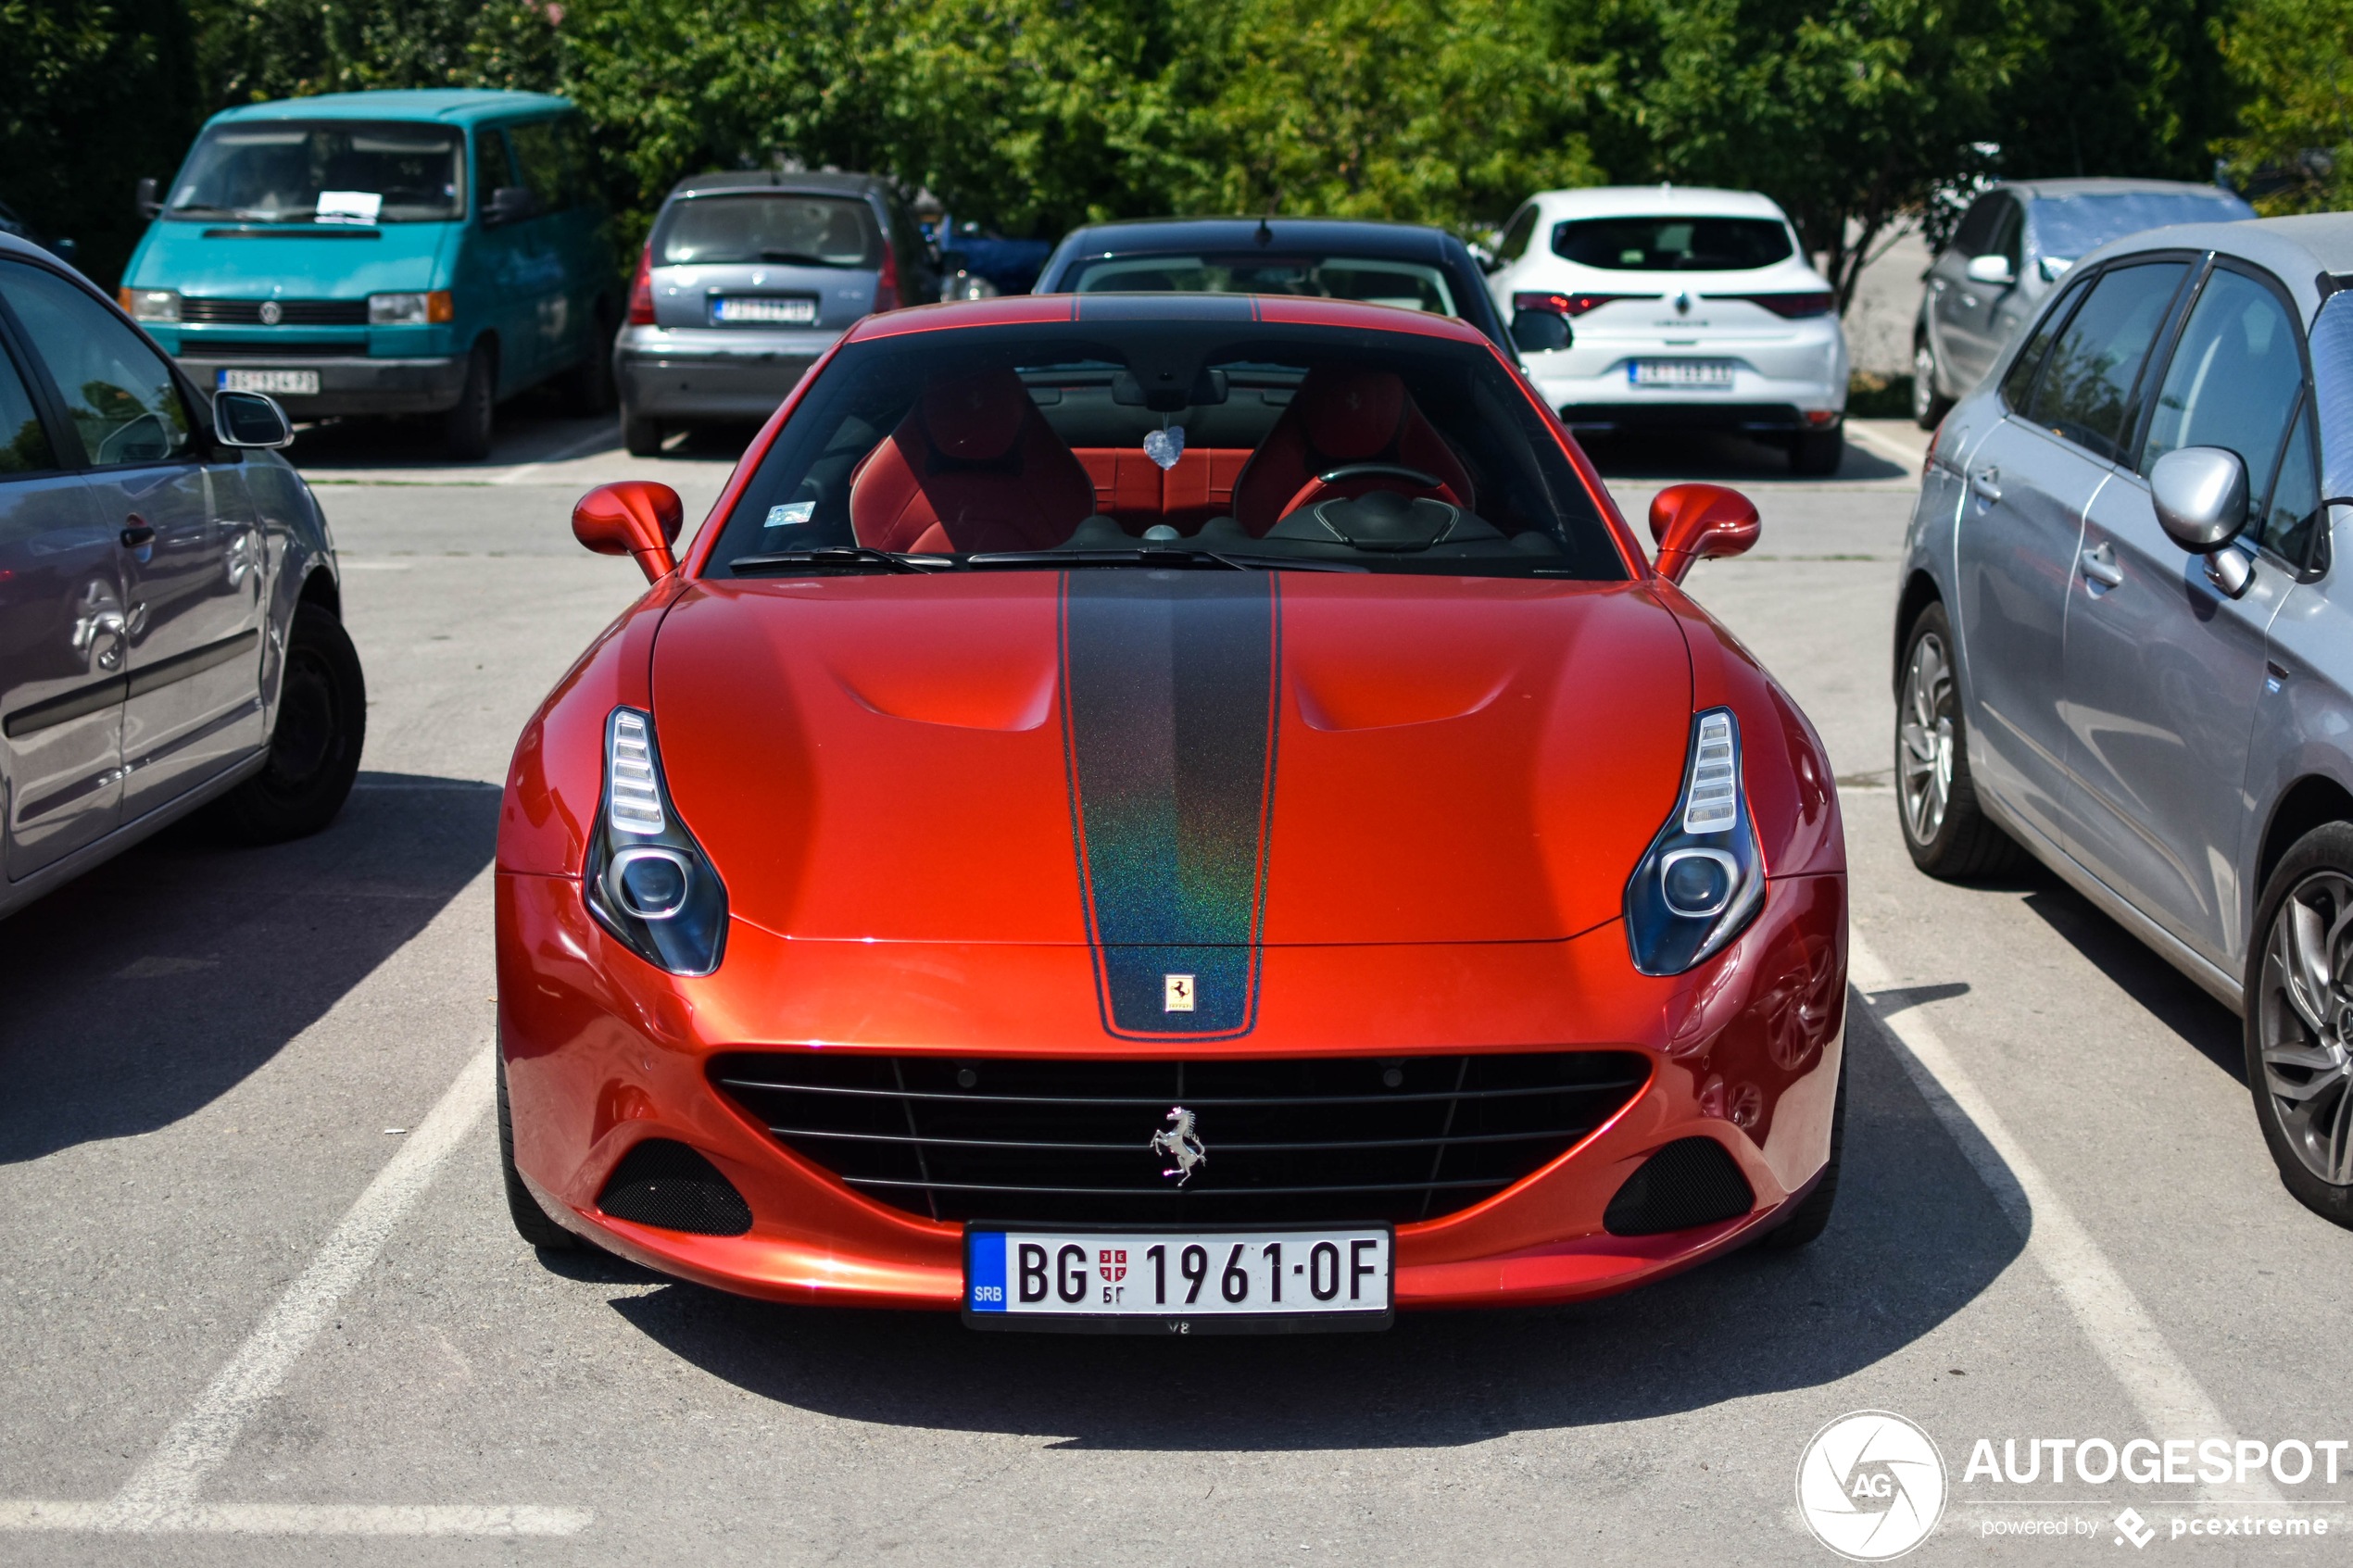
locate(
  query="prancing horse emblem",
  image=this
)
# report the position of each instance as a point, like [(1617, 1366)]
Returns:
[(1180, 1143)]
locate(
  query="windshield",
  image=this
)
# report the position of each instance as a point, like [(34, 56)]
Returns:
[(328, 172), (2066, 227), (1367, 280), (1209, 443), (1673, 245), (793, 230)]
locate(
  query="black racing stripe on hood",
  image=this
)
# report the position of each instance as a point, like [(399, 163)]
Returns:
[(1169, 720)]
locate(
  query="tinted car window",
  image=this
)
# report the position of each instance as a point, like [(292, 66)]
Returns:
[(2008, 232), (2017, 385), (539, 149), (1673, 245), (276, 170), (2067, 227), (1513, 245), (805, 230), (2233, 378), (117, 390), (2287, 521), (24, 447), (492, 169), (2086, 385), (1374, 281), (1976, 231)]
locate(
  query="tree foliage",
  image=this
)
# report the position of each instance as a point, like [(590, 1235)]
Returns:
[(2293, 60)]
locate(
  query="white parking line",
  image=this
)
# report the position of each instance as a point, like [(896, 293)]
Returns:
[(303, 1519), (2122, 1334)]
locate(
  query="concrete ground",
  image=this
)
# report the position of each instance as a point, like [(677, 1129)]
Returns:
[(259, 1300)]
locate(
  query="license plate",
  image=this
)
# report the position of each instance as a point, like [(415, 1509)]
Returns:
[(763, 310), (285, 384), (1196, 1282), (1709, 374)]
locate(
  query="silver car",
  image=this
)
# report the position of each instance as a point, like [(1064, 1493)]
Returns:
[(169, 632), (745, 280), (2012, 246), (2121, 644)]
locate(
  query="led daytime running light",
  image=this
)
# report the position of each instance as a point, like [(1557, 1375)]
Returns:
[(634, 795), (1711, 796)]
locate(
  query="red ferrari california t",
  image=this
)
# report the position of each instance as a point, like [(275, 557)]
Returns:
[(1169, 813)]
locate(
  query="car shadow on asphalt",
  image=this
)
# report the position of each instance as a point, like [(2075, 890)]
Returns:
[(148, 988), (1915, 1238), (1719, 457), (2167, 995)]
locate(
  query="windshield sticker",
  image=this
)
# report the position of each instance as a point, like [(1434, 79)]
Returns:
[(793, 514), (349, 206)]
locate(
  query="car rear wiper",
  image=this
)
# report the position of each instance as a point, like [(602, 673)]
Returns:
[(834, 555), (800, 258), (1145, 556)]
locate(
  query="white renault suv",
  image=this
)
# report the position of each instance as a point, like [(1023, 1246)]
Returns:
[(1658, 306)]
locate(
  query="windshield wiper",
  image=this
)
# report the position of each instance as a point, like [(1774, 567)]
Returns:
[(799, 258), (834, 555)]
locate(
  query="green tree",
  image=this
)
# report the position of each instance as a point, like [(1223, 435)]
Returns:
[(2293, 60)]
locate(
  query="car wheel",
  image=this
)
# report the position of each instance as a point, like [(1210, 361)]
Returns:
[(2299, 1021), (530, 1221), (1817, 452), (1812, 1215), (588, 385), (467, 433), (641, 438), (314, 750), (1928, 407), (1948, 834)]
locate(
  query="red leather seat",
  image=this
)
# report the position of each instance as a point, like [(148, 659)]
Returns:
[(972, 467), (1342, 416)]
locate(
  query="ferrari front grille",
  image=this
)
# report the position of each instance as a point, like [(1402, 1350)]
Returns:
[(1161, 1142)]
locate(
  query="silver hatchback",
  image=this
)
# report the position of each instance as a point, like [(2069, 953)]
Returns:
[(745, 282), (2121, 643)]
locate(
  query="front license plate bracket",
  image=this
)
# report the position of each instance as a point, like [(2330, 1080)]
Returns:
[(992, 1263)]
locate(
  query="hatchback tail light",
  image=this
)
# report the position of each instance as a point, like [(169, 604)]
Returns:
[(641, 291), (1792, 306), (886, 286), (1567, 304)]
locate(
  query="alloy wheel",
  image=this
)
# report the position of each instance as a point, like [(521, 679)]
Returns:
[(2305, 1016), (1924, 740)]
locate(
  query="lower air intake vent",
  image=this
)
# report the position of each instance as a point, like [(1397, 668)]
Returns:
[(1691, 1182), (669, 1186)]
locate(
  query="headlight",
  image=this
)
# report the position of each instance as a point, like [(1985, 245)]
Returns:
[(646, 880), (1702, 880), (150, 305), (410, 309)]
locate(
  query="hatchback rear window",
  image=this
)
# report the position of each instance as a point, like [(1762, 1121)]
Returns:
[(1369, 279), (781, 229), (1673, 245)]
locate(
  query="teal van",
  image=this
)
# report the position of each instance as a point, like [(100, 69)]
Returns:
[(385, 253)]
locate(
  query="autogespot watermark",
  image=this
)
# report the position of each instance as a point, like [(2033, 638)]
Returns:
[(1872, 1484)]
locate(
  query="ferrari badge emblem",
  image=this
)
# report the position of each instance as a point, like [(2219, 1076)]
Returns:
[(1180, 1143), (1176, 993)]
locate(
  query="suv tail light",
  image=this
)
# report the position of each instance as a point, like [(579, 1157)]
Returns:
[(1792, 306), (886, 286), (641, 291), (1567, 304)]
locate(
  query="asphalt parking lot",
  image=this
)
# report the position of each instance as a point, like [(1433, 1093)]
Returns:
[(260, 1300)]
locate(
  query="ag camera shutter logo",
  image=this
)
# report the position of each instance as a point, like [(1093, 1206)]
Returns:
[(1870, 1485)]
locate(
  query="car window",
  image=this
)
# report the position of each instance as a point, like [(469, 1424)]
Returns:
[(539, 151), (1975, 234), (2068, 226), (1371, 279), (2018, 385), (24, 445), (118, 392), (787, 229), (1513, 245), (493, 171), (2286, 521), (2233, 378), (2008, 233), (2086, 388), (1673, 245), (350, 171)]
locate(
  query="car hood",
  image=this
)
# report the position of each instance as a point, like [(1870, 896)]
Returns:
[(1161, 759), (229, 261)]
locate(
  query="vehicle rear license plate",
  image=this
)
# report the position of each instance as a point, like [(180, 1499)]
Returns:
[(1711, 375), (285, 383), (1113, 1281), (763, 310)]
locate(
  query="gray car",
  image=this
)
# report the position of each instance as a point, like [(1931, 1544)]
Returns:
[(170, 603), (2011, 248), (2121, 642), (747, 278)]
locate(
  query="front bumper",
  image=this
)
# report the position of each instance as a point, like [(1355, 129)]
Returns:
[(602, 1052), (348, 384), (711, 372)]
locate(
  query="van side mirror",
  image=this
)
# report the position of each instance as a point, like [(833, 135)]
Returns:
[(1697, 523), (150, 199), (2200, 496), (509, 203), (250, 419), (631, 517), (1991, 270)]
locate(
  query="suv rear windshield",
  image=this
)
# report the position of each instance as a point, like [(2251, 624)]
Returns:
[(1673, 245), (2067, 227), (277, 170), (1216, 441), (1368, 279), (778, 228)]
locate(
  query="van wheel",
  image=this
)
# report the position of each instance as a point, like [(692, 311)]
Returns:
[(314, 751), (641, 436), (1928, 407), (1948, 835), (1817, 452), (588, 385), (467, 433)]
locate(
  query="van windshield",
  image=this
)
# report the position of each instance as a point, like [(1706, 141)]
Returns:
[(325, 171)]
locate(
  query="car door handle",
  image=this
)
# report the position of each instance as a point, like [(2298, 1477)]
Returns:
[(1987, 481), (2099, 565), (137, 534)]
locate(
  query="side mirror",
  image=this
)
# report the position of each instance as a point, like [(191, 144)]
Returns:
[(1696, 522), (250, 419), (2200, 496), (1991, 270), (631, 517), (149, 200), (509, 203)]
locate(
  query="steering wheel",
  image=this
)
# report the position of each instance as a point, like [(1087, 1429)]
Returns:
[(1328, 483)]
